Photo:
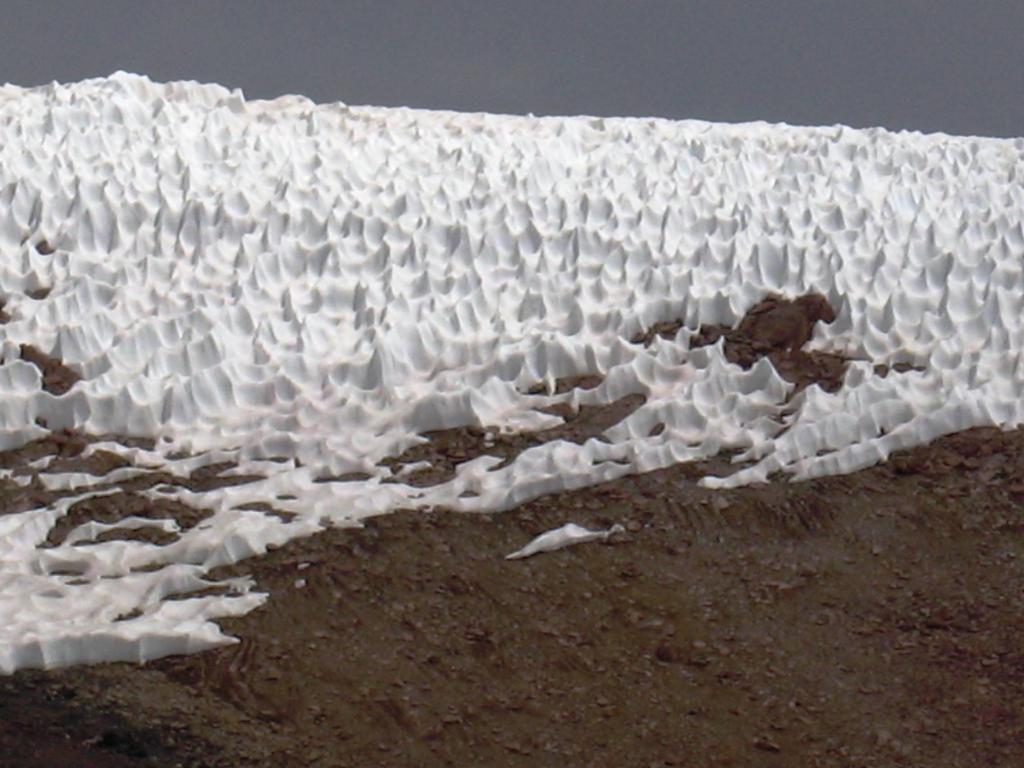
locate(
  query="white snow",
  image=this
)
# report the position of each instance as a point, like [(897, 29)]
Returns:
[(257, 280), (567, 535)]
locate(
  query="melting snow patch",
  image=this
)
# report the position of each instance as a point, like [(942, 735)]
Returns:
[(559, 538), (304, 290)]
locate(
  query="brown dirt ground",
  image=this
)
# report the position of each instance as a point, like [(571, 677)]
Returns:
[(874, 619), (57, 377)]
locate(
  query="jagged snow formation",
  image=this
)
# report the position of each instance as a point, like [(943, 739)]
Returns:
[(258, 280)]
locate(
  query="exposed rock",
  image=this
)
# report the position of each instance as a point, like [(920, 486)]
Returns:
[(57, 377)]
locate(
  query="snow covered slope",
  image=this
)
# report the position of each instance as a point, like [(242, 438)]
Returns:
[(257, 280)]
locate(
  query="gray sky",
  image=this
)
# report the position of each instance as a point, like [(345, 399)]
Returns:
[(932, 65)]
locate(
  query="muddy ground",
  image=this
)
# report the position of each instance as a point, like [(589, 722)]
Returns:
[(874, 619)]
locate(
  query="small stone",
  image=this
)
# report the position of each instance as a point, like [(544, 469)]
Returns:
[(667, 652), (766, 745)]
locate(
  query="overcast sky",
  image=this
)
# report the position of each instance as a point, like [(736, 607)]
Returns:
[(932, 65)]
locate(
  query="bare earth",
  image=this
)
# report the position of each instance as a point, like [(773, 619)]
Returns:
[(874, 619)]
